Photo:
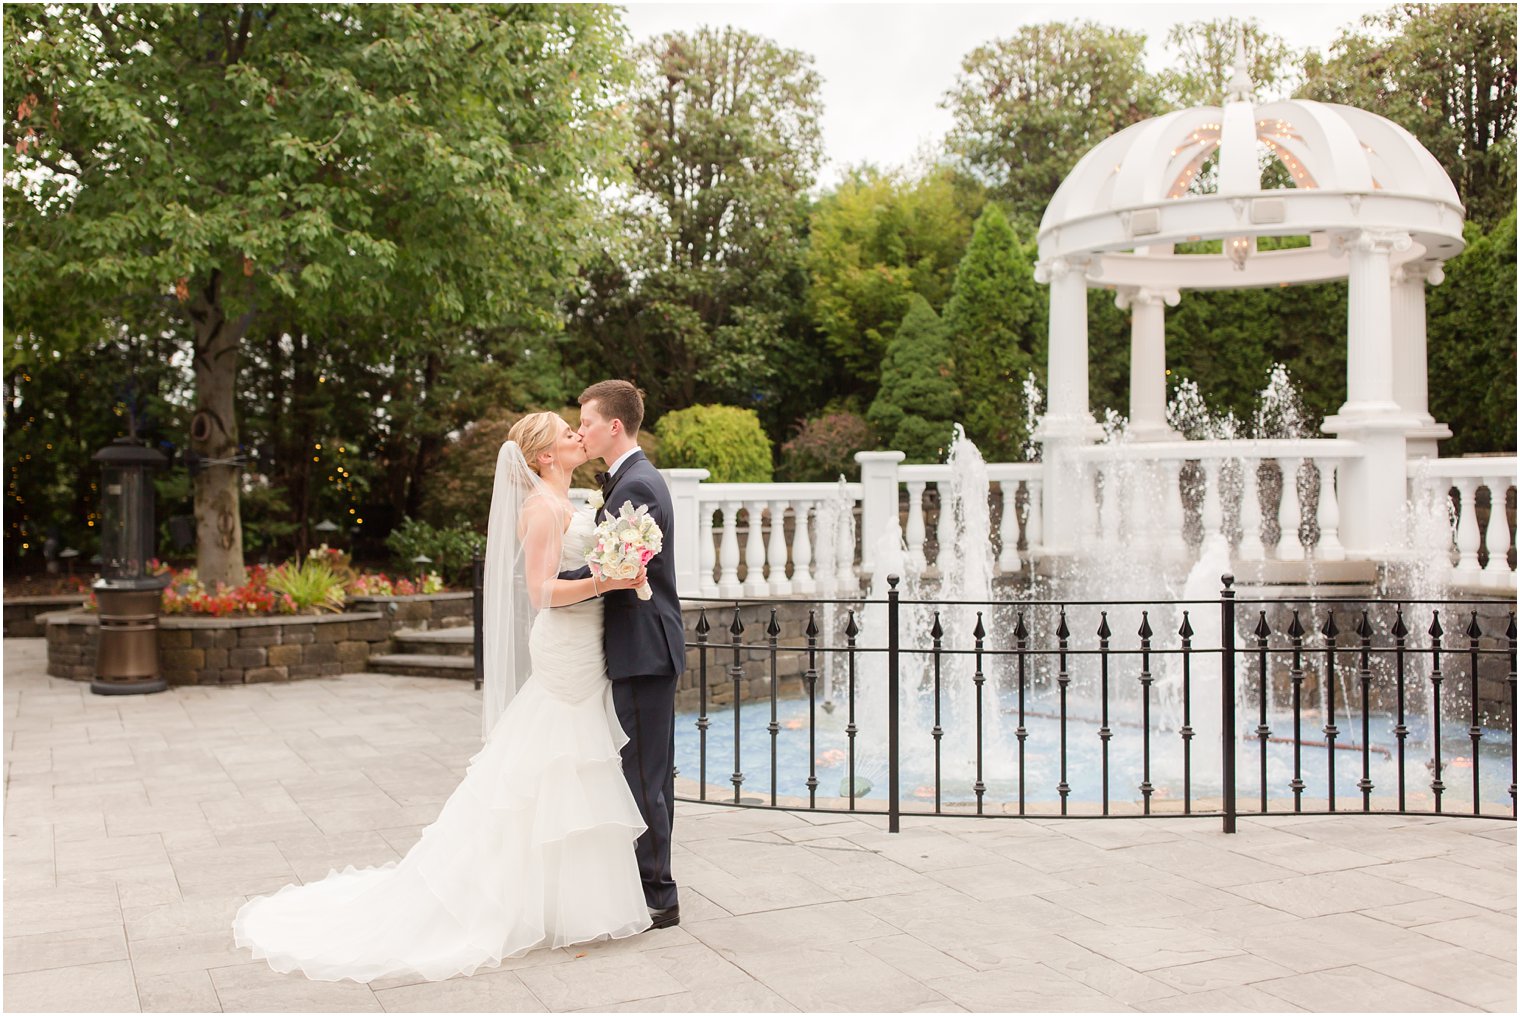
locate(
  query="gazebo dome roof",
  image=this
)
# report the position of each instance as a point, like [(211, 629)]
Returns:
[(1351, 170)]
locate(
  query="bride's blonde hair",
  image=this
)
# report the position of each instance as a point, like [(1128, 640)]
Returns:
[(536, 434)]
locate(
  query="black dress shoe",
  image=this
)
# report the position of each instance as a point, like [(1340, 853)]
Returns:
[(666, 918)]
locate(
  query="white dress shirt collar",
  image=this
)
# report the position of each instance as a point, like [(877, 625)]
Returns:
[(612, 470)]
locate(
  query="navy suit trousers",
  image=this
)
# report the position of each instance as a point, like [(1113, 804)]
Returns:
[(646, 709)]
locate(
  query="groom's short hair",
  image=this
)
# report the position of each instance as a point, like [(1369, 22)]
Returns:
[(618, 400)]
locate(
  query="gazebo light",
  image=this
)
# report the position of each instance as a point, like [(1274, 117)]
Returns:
[(1239, 249)]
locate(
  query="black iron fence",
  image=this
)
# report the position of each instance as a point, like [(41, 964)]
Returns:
[(1378, 665)]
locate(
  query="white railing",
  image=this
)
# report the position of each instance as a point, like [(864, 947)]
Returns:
[(1479, 553), (817, 539), (1020, 521), (1141, 492)]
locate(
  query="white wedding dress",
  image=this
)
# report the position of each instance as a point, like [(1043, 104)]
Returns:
[(533, 849)]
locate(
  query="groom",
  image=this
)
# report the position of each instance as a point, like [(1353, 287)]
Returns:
[(644, 639)]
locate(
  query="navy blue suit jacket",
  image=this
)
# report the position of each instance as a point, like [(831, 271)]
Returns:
[(643, 637)]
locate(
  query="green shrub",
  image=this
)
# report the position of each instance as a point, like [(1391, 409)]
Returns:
[(825, 447), (312, 584), (725, 440), (450, 547)]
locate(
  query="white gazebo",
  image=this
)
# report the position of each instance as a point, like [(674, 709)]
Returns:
[(1378, 210)]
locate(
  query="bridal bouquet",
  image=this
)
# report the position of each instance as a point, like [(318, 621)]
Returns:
[(625, 544)]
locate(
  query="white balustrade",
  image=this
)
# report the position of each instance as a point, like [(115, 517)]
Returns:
[(1120, 485)]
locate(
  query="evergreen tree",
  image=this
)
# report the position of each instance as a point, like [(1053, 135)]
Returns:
[(914, 410), (996, 322)]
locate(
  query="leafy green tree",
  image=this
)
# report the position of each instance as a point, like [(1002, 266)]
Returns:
[(1202, 60), (874, 241), (996, 324), (915, 408), (1028, 106), (403, 171), (1444, 72), (1471, 342), (698, 291)]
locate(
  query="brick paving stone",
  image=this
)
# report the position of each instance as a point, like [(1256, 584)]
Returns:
[(136, 827)]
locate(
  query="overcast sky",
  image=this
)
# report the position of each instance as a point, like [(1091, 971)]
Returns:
[(886, 66)]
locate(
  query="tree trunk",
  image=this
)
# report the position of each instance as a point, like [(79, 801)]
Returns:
[(213, 435)]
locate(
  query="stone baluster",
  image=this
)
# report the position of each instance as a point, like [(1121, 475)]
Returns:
[(944, 531), (844, 550), (706, 550), (1329, 547), (1290, 512), (1212, 513), (1034, 518), (1468, 572), (1251, 548), (1173, 545), (827, 517), (915, 530), (754, 551), (728, 557), (802, 550), (1008, 529), (1496, 535), (775, 552)]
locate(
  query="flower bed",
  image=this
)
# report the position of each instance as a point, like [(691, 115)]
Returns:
[(323, 583)]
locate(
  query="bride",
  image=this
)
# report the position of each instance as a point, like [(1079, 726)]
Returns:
[(535, 847)]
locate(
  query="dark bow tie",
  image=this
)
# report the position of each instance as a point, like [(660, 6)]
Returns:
[(601, 479)]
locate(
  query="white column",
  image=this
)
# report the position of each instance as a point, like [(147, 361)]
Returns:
[(1067, 421), (878, 484), (1173, 545), (944, 527), (1212, 511), (1410, 360), (1147, 360), (685, 543), (1373, 484)]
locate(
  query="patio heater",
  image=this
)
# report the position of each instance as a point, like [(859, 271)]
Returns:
[(126, 657)]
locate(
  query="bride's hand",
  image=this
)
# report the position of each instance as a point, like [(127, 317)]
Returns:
[(608, 585)]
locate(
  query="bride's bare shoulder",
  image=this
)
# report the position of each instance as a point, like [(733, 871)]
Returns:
[(542, 513)]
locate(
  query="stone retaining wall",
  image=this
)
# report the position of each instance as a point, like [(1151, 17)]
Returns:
[(246, 650), (21, 613)]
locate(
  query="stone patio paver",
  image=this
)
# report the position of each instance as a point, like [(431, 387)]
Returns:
[(136, 826)]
